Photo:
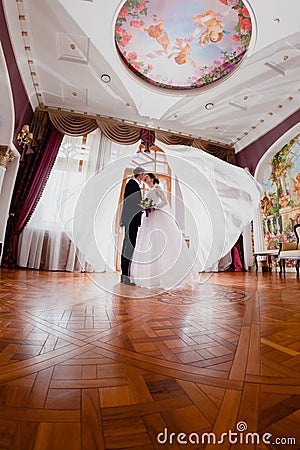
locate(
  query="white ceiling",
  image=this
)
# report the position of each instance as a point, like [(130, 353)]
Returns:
[(64, 46)]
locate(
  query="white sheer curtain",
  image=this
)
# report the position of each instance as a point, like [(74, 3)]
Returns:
[(219, 200), (46, 242)]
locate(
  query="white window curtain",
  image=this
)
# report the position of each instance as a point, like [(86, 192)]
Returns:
[(46, 242)]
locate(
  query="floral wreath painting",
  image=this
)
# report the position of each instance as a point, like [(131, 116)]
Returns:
[(182, 44)]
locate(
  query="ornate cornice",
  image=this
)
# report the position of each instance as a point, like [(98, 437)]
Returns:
[(6, 155)]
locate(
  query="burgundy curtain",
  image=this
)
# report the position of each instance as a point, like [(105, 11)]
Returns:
[(237, 256), (31, 179)]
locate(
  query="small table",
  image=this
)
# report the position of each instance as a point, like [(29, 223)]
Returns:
[(268, 254)]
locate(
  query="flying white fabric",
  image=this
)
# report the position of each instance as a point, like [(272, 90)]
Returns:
[(219, 198)]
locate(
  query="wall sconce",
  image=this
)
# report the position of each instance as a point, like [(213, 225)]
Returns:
[(24, 137)]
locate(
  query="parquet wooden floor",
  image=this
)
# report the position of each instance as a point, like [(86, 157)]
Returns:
[(85, 369)]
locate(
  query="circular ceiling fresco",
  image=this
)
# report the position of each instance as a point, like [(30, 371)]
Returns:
[(182, 44)]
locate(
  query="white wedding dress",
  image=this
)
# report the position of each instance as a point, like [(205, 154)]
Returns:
[(161, 258)]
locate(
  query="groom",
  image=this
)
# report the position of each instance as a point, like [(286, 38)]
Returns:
[(131, 220)]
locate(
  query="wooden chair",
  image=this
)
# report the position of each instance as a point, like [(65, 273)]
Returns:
[(290, 250), (269, 254)]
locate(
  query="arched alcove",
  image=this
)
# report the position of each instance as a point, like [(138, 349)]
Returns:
[(278, 171)]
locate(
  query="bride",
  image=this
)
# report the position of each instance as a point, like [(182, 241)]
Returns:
[(161, 258)]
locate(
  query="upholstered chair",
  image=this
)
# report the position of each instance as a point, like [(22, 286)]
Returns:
[(290, 250)]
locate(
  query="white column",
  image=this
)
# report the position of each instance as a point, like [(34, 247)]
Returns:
[(259, 241), (9, 162), (247, 245), (6, 155), (2, 173)]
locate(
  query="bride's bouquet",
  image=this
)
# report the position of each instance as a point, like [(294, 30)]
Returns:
[(147, 204)]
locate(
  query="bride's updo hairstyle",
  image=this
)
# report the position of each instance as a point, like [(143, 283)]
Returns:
[(153, 177)]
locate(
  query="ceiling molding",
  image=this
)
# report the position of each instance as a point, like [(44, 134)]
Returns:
[(275, 67), (73, 95), (25, 32), (73, 48)]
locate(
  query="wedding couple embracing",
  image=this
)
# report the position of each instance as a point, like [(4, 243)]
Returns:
[(154, 252)]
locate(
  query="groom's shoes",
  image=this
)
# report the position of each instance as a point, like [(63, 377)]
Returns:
[(126, 280)]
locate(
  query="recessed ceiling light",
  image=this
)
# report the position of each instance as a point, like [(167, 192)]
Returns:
[(209, 106), (105, 78)]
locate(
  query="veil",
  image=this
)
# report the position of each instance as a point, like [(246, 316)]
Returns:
[(219, 199)]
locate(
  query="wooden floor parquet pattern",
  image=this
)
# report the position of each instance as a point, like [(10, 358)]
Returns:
[(85, 369)]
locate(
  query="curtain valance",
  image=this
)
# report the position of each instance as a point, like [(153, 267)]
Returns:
[(173, 139), (224, 153), (119, 132), (74, 124)]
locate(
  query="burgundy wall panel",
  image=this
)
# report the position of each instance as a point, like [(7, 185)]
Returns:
[(250, 155), (23, 109)]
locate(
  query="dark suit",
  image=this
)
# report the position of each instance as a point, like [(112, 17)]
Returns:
[(131, 220)]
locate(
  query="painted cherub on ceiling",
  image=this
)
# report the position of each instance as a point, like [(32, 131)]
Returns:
[(205, 43)]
